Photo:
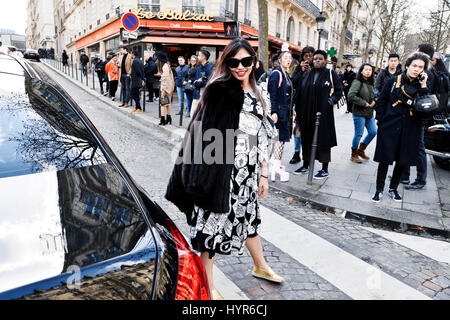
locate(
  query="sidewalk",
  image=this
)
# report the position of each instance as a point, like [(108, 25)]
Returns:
[(349, 187)]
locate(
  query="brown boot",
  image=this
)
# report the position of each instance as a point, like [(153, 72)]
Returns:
[(355, 157), (361, 152)]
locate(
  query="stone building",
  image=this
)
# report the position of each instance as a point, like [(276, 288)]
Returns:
[(40, 24)]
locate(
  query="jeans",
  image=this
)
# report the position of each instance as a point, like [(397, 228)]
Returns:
[(189, 99), (125, 82), (181, 98), (136, 94), (421, 162), (360, 123), (297, 144), (382, 173), (84, 69)]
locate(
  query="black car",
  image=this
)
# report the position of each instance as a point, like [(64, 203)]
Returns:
[(32, 54), (73, 223)]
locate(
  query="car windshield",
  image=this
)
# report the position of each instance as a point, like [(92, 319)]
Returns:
[(39, 130)]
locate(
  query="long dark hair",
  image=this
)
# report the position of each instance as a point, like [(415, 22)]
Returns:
[(223, 74), (360, 77), (440, 66)]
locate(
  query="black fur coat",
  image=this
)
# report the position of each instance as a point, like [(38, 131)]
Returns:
[(202, 184)]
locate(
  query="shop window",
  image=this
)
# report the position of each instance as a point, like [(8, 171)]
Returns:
[(113, 44), (197, 6), (150, 5)]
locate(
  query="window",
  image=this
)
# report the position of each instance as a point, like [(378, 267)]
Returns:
[(113, 44), (278, 23), (247, 9), (299, 33), (290, 29), (197, 6), (150, 5), (308, 33)]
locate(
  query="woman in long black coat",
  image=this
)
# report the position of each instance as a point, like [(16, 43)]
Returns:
[(313, 95), (399, 127)]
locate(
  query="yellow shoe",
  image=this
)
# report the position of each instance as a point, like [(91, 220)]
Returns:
[(216, 295), (268, 275)]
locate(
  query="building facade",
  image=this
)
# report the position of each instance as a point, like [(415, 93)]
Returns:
[(40, 24), (95, 26)]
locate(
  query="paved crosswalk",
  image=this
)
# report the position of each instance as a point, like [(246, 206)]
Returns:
[(353, 276)]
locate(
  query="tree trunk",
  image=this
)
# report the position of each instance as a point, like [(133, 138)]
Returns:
[(344, 31), (263, 40)]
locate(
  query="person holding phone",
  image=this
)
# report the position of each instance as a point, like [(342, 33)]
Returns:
[(399, 127)]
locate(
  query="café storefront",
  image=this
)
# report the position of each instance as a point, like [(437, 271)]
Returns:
[(178, 34)]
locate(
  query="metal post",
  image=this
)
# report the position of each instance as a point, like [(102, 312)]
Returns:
[(81, 74), (87, 77), (72, 69), (314, 149), (143, 98), (159, 103), (182, 108), (93, 79)]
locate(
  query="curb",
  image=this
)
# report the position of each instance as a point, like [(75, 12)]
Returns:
[(321, 200), (174, 134)]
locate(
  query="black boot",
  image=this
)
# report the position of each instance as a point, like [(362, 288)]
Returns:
[(296, 158), (169, 119), (163, 121)]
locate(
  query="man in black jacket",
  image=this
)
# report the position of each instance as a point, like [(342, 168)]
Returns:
[(84, 60), (108, 59), (137, 80), (150, 70), (393, 69)]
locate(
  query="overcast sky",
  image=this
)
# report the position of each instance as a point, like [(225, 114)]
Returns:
[(13, 13)]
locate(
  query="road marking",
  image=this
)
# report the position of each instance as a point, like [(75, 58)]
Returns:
[(434, 249), (356, 278)]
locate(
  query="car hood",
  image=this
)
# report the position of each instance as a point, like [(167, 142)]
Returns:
[(58, 227)]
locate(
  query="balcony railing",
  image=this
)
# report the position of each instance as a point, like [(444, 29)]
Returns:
[(195, 9), (309, 6), (150, 7)]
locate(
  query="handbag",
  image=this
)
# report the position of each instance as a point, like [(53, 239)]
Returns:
[(164, 101), (427, 104), (189, 87), (339, 107)]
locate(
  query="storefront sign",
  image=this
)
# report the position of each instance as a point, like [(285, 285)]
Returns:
[(170, 14)]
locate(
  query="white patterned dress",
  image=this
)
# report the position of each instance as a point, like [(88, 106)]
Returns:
[(220, 233)]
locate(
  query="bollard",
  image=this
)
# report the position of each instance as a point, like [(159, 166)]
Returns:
[(314, 149), (143, 98), (159, 103), (87, 78), (182, 108), (93, 79), (81, 75)]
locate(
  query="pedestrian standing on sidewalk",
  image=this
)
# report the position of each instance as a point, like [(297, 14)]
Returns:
[(125, 72), (220, 200), (281, 93), (399, 127), (180, 73), (348, 77), (101, 72), (204, 72), (167, 87), (362, 98), (112, 70), (314, 96), (259, 70), (188, 84), (137, 80), (108, 59), (393, 69), (150, 69), (65, 59), (84, 60), (306, 64), (443, 81), (421, 167)]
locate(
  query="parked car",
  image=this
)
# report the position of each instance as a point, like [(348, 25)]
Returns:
[(73, 222), (32, 54), (437, 140)]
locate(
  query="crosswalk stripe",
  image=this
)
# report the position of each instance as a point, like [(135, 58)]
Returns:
[(226, 287), (434, 249), (356, 278)]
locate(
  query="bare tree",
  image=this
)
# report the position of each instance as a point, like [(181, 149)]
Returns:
[(438, 33), (348, 13), (263, 41)]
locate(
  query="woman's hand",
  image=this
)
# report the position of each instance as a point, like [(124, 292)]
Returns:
[(263, 186), (275, 117)]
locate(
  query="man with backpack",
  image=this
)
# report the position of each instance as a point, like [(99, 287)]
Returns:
[(84, 60), (101, 73)]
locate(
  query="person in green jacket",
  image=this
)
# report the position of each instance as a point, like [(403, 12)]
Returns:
[(362, 96)]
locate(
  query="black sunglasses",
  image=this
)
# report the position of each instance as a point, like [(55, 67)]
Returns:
[(234, 63)]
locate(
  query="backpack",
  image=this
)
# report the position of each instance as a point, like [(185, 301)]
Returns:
[(265, 83)]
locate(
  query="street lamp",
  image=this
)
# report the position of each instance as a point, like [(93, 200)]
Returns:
[(320, 19)]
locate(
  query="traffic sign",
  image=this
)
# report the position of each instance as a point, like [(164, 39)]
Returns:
[(130, 21)]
